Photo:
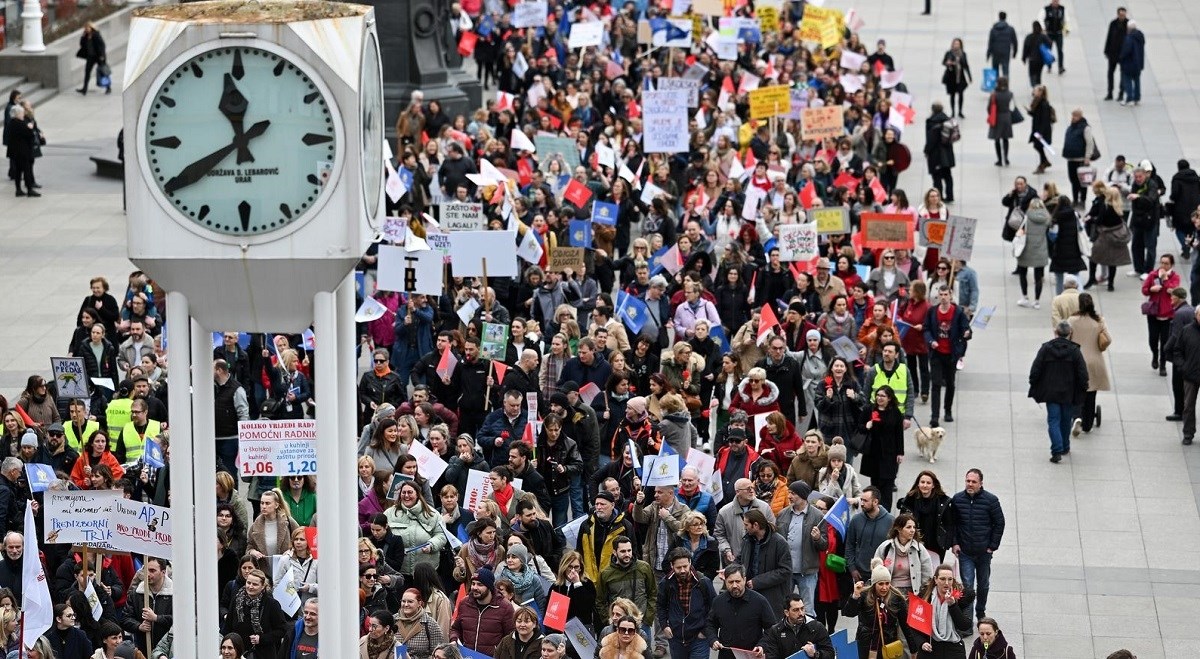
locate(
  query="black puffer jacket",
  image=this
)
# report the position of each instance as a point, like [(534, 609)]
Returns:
[(978, 521), (1185, 196)]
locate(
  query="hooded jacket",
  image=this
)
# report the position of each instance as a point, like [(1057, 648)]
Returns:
[(1185, 196), (160, 602), (1002, 41), (1133, 52), (1059, 373), (863, 537), (744, 399), (595, 543), (678, 432)]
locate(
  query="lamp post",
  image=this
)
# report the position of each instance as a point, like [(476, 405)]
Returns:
[(31, 28)]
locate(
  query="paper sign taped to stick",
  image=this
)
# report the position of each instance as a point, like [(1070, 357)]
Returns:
[(823, 122), (983, 317), (469, 249), (887, 231), (79, 517), (845, 348), (277, 448), (831, 221), (565, 258), (767, 102), (960, 238), (692, 87), (797, 242), (141, 528), (70, 377), (410, 272), (460, 216)]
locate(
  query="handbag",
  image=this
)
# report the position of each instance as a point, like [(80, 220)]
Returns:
[(1047, 54), (1085, 241), (1018, 242), (1016, 219), (1017, 117), (859, 441), (989, 79), (835, 563), (893, 650), (1149, 308), (1103, 340), (271, 408)]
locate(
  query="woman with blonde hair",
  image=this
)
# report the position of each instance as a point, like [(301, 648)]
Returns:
[(568, 325), (376, 500), (1110, 236), (271, 532), (809, 460), (573, 582), (694, 536)]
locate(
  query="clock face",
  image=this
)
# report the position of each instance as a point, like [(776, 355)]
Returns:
[(240, 141), (371, 98)]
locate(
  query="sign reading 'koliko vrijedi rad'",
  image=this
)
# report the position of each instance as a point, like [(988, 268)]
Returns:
[(277, 448)]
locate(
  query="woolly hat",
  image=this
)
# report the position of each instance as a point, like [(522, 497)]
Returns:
[(800, 489), (520, 552), (638, 405), (29, 438), (485, 577), (879, 572), (560, 399), (836, 452), (570, 386), (812, 334), (606, 495), (798, 307)]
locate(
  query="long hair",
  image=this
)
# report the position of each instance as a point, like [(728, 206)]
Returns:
[(899, 523), (1087, 307), (891, 394), (937, 485), (930, 585)]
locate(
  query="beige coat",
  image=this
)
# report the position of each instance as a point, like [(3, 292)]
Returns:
[(1064, 306), (1086, 333)]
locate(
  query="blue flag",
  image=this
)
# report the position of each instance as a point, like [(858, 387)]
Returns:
[(839, 516), (718, 333), (656, 260), (632, 312), (40, 476), (406, 177), (673, 31), (468, 653), (604, 213), (580, 234), (219, 340), (486, 25), (154, 454), (750, 34), (402, 651), (902, 327), (666, 451), (360, 284)]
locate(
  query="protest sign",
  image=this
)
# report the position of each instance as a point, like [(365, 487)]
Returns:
[(704, 463), (695, 72), (549, 146), (845, 348), (799, 103), (395, 229), (768, 19), (831, 221), (440, 243), (69, 377), (469, 249), (959, 241), (852, 60), (277, 448), (410, 272), (767, 102), (823, 122), (556, 611), (429, 464), (460, 216), (931, 232), (141, 528), (887, 230), (661, 470), (494, 341), (797, 242), (586, 34), (565, 258), (665, 121), (692, 87), (479, 486), (79, 517), (708, 7), (530, 14), (983, 317)]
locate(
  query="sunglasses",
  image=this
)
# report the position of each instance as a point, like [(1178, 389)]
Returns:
[(626, 630), (370, 576), (380, 361)]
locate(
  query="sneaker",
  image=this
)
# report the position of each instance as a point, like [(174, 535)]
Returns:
[(1143, 276), (1077, 427), (1023, 302), (960, 365), (1187, 441), (1123, 103), (1037, 304), (707, 446), (1133, 273), (1055, 458), (1174, 417)]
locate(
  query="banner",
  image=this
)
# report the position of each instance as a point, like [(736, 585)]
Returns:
[(530, 14), (277, 448), (920, 614), (665, 121), (141, 528), (705, 463), (79, 517), (797, 242), (767, 102), (830, 221), (461, 216), (887, 230), (69, 377), (959, 241)]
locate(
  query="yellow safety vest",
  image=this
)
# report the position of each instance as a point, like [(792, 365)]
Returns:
[(134, 443), (898, 382), (89, 428), (118, 413)]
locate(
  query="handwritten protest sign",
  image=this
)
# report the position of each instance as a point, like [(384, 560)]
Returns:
[(565, 258), (395, 229), (665, 123), (797, 242), (931, 232), (277, 448), (692, 87), (767, 102), (79, 517), (69, 377), (460, 216), (479, 486), (831, 221), (768, 18), (823, 122), (141, 528), (960, 238), (530, 14), (887, 231)]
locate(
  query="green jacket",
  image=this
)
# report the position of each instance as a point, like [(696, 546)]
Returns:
[(635, 583)]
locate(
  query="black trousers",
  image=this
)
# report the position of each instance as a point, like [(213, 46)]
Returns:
[(1041, 150), (1189, 408), (942, 371), (943, 180), (918, 366), (22, 169), (1177, 390), (1112, 68), (1087, 411), (1078, 192), (1158, 330)]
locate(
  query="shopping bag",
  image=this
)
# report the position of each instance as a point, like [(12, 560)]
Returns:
[(989, 79), (1047, 54)]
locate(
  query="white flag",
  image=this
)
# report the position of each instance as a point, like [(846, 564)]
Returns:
[(521, 142), (395, 185), (285, 593), (93, 600), (371, 309), (36, 604), (530, 249)]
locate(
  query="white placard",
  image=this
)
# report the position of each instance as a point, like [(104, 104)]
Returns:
[(479, 486), (586, 34), (665, 121), (852, 60), (79, 517), (429, 464), (661, 470), (798, 242), (277, 448), (704, 463), (570, 532), (461, 216), (141, 528), (692, 87), (70, 377), (395, 229), (530, 14), (396, 262), (468, 249)]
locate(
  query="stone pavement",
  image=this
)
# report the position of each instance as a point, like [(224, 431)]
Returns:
[(1100, 552)]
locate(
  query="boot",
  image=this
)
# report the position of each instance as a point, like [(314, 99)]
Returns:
[(20, 192)]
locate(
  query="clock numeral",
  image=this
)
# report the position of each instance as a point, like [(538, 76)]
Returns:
[(238, 71), (309, 98), (287, 212), (312, 178), (204, 212), (244, 215), (166, 142), (197, 71), (278, 70), (167, 101), (312, 139)]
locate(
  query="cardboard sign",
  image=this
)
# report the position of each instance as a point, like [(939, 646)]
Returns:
[(277, 448), (80, 517), (586, 34), (932, 232), (768, 19), (799, 103), (797, 242), (887, 231), (665, 121), (566, 258), (692, 87), (141, 528), (70, 377), (395, 230), (459, 216), (530, 14), (767, 102), (823, 122), (959, 241), (830, 221), (410, 272), (469, 249)]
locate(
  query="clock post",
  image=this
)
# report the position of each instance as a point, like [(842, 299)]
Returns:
[(254, 185)]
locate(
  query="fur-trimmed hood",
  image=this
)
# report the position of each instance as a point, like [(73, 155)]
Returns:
[(771, 397)]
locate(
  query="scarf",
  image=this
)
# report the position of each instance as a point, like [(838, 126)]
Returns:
[(943, 626), (376, 648), (841, 317), (522, 581), (408, 627), (764, 491), (382, 369), (481, 555), (255, 603)]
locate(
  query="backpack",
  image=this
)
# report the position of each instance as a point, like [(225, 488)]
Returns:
[(950, 131)]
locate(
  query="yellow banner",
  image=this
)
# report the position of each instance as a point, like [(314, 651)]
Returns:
[(767, 102), (768, 19)]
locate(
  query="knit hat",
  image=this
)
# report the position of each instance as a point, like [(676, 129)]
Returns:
[(836, 452), (879, 572), (520, 552), (560, 399), (798, 307), (29, 439), (638, 405), (606, 495), (485, 577), (568, 387), (800, 489), (812, 334)]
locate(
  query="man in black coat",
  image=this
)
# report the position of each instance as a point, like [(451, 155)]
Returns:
[(1059, 378), (738, 617), (1185, 199), (939, 152), (454, 171), (767, 559), (1186, 350), (785, 373), (1002, 44), (21, 140), (795, 633), (1112, 49)]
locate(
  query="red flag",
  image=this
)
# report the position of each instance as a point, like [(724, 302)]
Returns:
[(808, 194), (466, 44), (880, 67), (556, 611), (881, 195), (504, 101), (29, 422), (501, 369), (856, 240), (845, 180), (528, 435), (555, 122), (588, 392), (524, 172), (920, 614), (632, 110), (577, 193), (447, 364), (310, 536), (767, 322)]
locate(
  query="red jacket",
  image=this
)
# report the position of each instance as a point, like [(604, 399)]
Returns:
[(1161, 299), (481, 629), (743, 400), (775, 448), (751, 458)]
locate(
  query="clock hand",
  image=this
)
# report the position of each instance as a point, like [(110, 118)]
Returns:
[(233, 105), (197, 170)]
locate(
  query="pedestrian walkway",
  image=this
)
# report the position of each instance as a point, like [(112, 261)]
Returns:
[(1101, 551)]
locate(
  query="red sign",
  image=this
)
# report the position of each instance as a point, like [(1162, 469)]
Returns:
[(887, 230), (556, 611), (920, 614), (310, 534)]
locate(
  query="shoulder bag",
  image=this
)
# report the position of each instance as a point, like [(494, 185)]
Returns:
[(893, 650), (1018, 241), (1081, 235), (1103, 339)]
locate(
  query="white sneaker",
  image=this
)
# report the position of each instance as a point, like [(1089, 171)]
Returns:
[(1143, 277), (961, 365), (1037, 304), (1077, 428), (1133, 273), (1023, 302), (1123, 103)]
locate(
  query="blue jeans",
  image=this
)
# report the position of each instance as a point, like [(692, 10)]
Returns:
[(1058, 281), (979, 566), (1058, 422), (1001, 66), (806, 585), (696, 648), (560, 505), (577, 509), (227, 452), (1131, 84)]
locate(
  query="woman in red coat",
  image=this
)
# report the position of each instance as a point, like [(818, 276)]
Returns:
[(829, 592), (778, 441), (756, 394), (912, 338), (1158, 308)]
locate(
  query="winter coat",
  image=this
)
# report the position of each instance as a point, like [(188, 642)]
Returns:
[(978, 522), (481, 627), (959, 326), (414, 526), (1086, 334), (1031, 50), (729, 528), (812, 517), (895, 624), (787, 377), (273, 626), (768, 564), (258, 539), (1064, 254), (1143, 211), (635, 583), (837, 415), (739, 622), (685, 627), (1037, 245), (1185, 196), (920, 564), (786, 640), (1185, 317), (507, 649), (805, 467), (887, 442), (595, 542), (1110, 245), (934, 517), (743, 399), (377, 389), (1058, 374), (1133, 53), (939, 153), (846, 485), (160, 603), (678, 432), (1041, 120), (1185, 350), (1002, 128), (1002, 42)]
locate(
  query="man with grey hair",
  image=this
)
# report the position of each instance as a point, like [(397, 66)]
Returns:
[(660, 311), (11, 563), (1059, 378), (1143, 222), (1065, 304), (12, 497)]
